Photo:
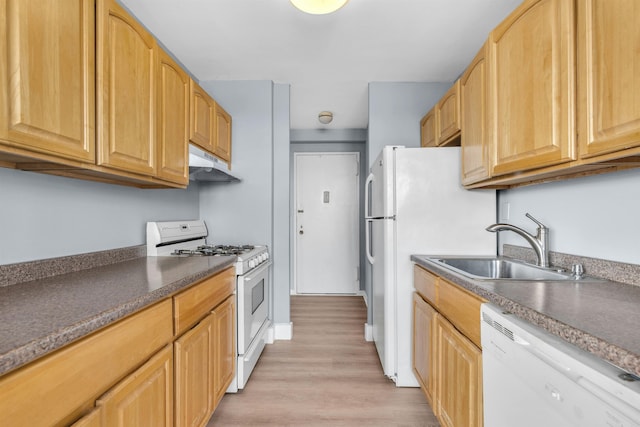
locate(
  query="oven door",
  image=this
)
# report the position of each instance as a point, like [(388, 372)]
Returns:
[(253, 304)]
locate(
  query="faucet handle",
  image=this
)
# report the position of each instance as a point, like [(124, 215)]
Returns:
[(540, 225)]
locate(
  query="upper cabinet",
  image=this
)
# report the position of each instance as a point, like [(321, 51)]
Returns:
[(47, 92), (201, 124), (173, 120), (532, 87), (223, 134), (126, 80), (608, 76), (441, 125), (476, 156), (448, 115)]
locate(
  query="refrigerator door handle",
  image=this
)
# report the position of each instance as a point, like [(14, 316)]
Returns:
[(367, 185), (367, 240), (368, 219)]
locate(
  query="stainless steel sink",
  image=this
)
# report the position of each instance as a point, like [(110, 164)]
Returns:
[(499, 268)]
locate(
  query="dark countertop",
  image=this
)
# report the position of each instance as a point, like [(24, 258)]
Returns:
[(41, 316), (601, 317)]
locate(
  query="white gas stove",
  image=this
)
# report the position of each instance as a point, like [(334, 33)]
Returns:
[(187, 239)]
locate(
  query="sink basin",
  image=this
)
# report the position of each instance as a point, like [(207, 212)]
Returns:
[(499, 268)]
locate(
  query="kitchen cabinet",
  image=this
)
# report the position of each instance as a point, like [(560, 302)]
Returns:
[(532, 86), (608, 78), (428, 129), (204, 353), (474, 139), (66, 383), (47, 80), (223, 348), (92, 419), (459, 376), (144, 398), (447, 357), (423, 317), (448, 116), (193, 360), (173, 120), (223, 134), (201, 122), (126, 95)]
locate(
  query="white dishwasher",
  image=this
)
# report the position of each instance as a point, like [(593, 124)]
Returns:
[(532, 378)]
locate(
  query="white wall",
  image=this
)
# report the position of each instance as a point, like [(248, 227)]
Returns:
[(594, 216), (395, 111), (43, 216)]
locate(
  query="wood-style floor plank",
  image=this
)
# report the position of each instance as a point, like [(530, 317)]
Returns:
[(327, 375)]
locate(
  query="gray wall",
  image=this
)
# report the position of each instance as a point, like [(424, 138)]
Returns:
[(327, 141), (255, 210), (46, 216), (395, 111), (594, 216)]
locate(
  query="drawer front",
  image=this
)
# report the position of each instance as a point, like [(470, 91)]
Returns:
[(196, 302), (461, 308), (426, 284), (58, 388)]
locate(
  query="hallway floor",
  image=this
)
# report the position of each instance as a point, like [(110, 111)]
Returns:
[(328, 375)]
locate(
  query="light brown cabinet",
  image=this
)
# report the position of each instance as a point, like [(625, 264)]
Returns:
[(47, 92), (223, 134), (173, 120), (448, 116), (428, 129), (144, 398), (447, 358), (474, 140), (126, 82), (201, 122), (608, 77), (223, 348), (193, 374), (532, 84)]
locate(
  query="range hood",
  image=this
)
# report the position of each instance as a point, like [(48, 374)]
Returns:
[(204, 167)]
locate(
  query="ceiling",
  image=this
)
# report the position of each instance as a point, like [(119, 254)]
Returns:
[(327, 59)]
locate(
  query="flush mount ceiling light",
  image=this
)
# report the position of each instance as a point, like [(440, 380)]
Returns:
[(325, 117), (319, 7)]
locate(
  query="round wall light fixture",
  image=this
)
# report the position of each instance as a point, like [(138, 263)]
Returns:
[(319, 7), (325, 117)]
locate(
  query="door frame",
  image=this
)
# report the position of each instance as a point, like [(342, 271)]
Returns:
[(294, 207)]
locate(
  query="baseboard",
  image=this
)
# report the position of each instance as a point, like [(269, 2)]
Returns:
[(368, 332), (283, 331), (270, 336), (363, 294)]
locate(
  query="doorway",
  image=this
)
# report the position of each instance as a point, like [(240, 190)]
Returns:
[(326, 226)]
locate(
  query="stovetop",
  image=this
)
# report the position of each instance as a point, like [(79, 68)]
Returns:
[(210, 250)]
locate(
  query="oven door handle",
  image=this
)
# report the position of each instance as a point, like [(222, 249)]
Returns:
[(260, 269)]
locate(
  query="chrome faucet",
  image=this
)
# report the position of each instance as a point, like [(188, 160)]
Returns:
[(539, 242)]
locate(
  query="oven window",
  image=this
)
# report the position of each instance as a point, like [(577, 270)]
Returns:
[(257, 296)]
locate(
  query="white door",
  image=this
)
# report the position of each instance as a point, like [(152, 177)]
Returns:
[(326, 228)]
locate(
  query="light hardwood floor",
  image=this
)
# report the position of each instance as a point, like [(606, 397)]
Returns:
[(327, 375)]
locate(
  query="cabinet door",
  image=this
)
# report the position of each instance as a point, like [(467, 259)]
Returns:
[(459, 382), (223, 134), (223, 348), (428, 129), (126, 88), (609, 75), (423, 349), (47, 77), (193, 360), (173, 120), (476, 160), (532, 84), (448, 115), (92, 419), (144, 398), (201, 121)]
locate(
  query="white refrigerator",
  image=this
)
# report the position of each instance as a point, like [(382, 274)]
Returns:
[(415, 204)]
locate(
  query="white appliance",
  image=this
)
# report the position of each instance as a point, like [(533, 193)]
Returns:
[(532, 378), (188, 238), (416, 205)]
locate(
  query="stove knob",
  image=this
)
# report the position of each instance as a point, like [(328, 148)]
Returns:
[(252, 263), (266, 255)]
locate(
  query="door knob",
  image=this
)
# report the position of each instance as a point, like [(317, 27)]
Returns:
[(301, 232)]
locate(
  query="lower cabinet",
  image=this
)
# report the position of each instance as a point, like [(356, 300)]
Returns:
[(223, 348), (447, 362), (144, 398)]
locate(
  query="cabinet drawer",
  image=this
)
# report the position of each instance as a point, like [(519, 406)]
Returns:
[(426, 284), (461, 308), (60, 387), (196, 302)]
